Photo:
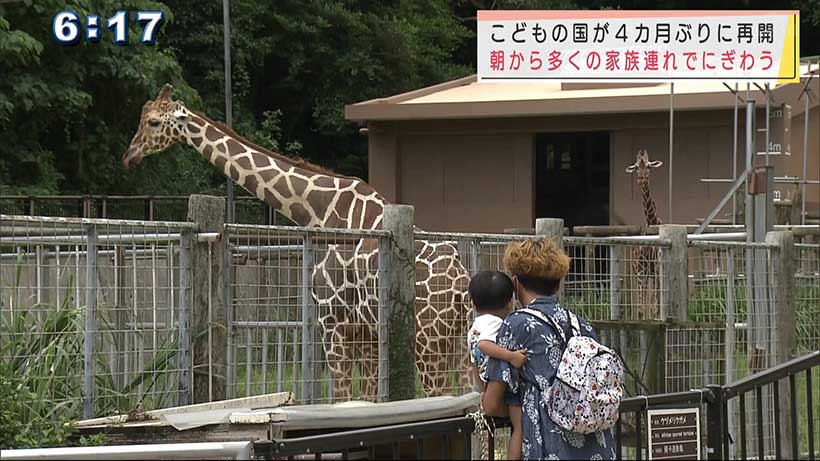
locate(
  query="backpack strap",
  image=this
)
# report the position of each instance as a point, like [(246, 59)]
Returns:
[(548, 320)]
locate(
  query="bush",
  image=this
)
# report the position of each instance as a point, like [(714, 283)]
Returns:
[(21, 425)]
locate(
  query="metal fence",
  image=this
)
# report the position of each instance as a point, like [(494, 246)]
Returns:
[(93, 313), (807, 296), (122, 303), (247, 209), (306, 310)]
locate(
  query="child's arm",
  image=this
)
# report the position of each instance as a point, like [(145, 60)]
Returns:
[(476, 379), (516, 358)]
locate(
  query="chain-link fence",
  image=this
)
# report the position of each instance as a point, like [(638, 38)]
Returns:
[(93, 313)]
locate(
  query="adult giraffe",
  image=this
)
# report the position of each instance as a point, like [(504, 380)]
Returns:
[(344, 281), (645, 258)]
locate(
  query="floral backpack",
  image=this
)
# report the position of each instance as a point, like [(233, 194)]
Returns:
[(586, 393)]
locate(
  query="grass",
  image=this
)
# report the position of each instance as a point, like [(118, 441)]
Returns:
[(43, 349)]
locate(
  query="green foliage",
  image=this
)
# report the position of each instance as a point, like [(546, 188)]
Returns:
[(42, 370), (68, 113), (22, 423)]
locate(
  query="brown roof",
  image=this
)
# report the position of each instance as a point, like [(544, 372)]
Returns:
[(469, 98)]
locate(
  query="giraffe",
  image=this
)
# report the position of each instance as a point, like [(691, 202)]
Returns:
[(344, 280), (645, 258)]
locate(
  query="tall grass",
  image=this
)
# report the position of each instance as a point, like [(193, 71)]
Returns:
[(42, 359)]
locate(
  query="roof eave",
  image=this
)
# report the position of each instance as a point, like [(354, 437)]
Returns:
[(571, 106)]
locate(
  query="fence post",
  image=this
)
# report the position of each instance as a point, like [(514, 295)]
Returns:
[(184, 313), (674, 273), (309, 321), (782, 278), (401, 285), (209, 350), (552, 228), (385, 250), (90, 313), (715, 415)]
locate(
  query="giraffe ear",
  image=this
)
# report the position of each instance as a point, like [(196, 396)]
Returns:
[(655, 164), (630, 168)]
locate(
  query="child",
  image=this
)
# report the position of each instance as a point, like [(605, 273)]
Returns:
[(491, 293)]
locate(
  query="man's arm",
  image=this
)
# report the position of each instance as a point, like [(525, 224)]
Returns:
[(515, 358)]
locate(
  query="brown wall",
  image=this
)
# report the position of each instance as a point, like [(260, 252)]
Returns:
[(476, 175), (457, 182)]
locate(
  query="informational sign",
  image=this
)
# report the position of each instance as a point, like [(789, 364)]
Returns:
[(674, 433), (623, 45), (780, 123)]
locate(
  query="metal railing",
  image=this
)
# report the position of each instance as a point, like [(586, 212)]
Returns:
[(452, 438), (796, 436), (247, 209)]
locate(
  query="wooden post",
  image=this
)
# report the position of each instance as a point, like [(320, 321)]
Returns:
[(674, 302), (401, 292), (782, 279), (208, 301), (552, 228), (674, 273)]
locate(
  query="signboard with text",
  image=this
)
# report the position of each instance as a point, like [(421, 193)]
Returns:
[(674, 433), (623, 45)]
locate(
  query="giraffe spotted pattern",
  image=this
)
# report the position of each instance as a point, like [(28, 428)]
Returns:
[(345, 283)]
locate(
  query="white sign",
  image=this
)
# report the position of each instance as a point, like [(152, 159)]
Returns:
[(618, 45)]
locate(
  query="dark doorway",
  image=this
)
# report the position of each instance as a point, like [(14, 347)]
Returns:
[(572, 177)]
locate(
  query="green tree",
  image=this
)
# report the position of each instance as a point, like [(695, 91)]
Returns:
[(67, 112), (307, 59)]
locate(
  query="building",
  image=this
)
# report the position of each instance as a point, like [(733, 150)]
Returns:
[(485, 157)]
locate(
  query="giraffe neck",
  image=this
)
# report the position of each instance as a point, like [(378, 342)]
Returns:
[(306, 197), (649, 210)]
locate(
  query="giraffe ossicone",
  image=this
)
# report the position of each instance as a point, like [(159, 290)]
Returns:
[(345, 279)]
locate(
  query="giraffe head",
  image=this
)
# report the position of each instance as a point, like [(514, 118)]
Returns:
[(161, 125), (642, 165)]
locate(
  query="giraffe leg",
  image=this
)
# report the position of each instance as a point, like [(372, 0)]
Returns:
[(339, 351), (334, 297), (432, 357), (368, 362)]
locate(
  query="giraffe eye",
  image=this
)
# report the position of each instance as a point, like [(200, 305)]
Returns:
[(154, 123)]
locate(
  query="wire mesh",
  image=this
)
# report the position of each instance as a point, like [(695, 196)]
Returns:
[(807, 297), (306, 308), (247, 209), (732, 287), (91, 309)]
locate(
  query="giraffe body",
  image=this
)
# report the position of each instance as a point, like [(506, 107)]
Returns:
[(345, 278), (645, 258)]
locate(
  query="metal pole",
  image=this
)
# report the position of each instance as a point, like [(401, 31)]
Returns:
[(90, 312), (734, 159), (184, 312), (671, 133), (226, 27), (805, 149), (768, 99)]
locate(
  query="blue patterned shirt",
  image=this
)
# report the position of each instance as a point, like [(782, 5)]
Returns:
[(543, 439)]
